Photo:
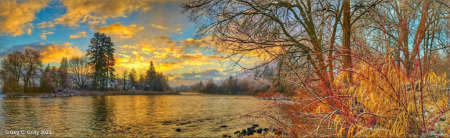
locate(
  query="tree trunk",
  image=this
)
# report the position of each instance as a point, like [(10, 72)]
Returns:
[(346, 28)]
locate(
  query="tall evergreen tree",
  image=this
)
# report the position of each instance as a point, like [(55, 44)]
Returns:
[(101, 58), (110, 62), (151, 77)]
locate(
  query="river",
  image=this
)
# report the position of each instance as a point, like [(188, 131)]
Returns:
[(196, 115)]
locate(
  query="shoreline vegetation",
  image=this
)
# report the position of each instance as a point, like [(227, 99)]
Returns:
[(23, 75), (87, 93)]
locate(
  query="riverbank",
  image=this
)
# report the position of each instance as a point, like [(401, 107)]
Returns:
[(87, 93), (260, 95)]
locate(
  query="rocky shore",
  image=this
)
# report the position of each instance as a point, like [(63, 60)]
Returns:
[(255, 129)]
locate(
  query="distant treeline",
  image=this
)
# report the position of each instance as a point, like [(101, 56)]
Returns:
[(150, 80), (230, 86), (24, 72)]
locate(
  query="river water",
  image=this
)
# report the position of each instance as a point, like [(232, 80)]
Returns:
[(132, 115)]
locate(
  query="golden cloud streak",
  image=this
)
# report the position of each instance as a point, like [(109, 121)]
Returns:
[(120, 30), (78, 35), (54, 52)]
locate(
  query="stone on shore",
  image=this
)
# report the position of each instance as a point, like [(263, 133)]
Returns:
[(259, 131)]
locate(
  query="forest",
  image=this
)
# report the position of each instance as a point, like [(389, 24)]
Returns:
[(352, 68), (23, 72)]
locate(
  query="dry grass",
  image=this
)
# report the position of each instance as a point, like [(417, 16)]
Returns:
[(380, 101)]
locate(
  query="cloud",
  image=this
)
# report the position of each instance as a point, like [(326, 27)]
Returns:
[(78, 35), (49, 52), (206, 74), (45, 24), (192, 43), (15, 17), (169, 65), (160, 47), (54, 52), (96, 12), (29, 31), (159, 27), (120, 30), (141, 47), (44, 35), (194, 56)]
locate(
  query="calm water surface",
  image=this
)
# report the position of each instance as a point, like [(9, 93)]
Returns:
[(132, 115)]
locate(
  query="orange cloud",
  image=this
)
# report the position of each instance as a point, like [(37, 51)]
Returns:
[(44, 35), (194, 56), (16, 16), (125, 47), (54, 52), (120, 30), (45, 24), (96, 12), (168, 66), (140, 48), (196, 63), (160, 55), (78, 35)]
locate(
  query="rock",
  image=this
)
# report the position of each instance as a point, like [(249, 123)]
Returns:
[(237, 132), (265, 129), (442, 119), (178, 130), (223, 126), (249, 129), (250, 133), (259, 131), (255, 125), (224, 135), (244, 131)]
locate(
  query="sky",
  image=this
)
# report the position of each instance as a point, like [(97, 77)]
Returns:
[(141, 30)]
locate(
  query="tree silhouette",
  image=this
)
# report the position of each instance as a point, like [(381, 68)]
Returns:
[(101, 58)]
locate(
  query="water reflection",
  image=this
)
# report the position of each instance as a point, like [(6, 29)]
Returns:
[(131, 116)]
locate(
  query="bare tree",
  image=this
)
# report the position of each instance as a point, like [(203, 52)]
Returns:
[(31, 64), (10, 72), (295, 31), (80, 69)]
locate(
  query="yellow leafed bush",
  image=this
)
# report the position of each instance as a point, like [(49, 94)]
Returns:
[(387, 103)]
